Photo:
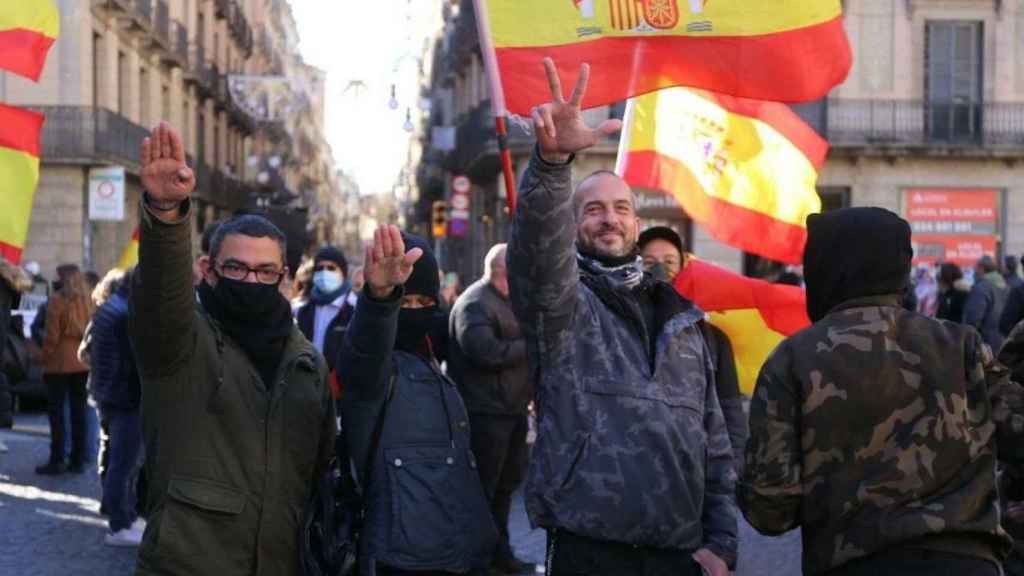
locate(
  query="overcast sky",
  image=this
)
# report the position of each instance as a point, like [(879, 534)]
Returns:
[(360, 44)]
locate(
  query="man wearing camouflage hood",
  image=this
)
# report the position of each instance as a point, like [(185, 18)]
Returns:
[(875, 430)]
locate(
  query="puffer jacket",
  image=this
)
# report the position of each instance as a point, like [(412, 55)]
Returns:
[(114, 377), (488, 353), (984, 308), (425, 506), (628, 450)]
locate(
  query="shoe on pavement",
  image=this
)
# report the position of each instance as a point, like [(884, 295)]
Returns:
[(51, 469), (139, 525), (123, 538)]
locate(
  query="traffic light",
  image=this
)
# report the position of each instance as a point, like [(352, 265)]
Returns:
[(439, 219)]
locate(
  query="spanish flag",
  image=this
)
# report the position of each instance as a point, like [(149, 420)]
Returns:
[(130, 256), (19, 172), (756, 315), (783, 50), (28, 28), (744, 169)]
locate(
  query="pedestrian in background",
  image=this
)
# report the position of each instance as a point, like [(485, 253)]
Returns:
[(984, 307), (68, 313), (325, 317), (1011, 273), (13, 281), (664, 258), (876, 429), (953, 291), (114, 385), (405, 425), (487, 360), (302, 287)]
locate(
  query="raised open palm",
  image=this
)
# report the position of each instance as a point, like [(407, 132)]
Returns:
[(559, 124), (387, 263), (165, 175)]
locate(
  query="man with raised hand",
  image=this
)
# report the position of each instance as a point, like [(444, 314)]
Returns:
[(237, 415), (632, 469)]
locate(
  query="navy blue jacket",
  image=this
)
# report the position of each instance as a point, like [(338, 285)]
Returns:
[(425, 506), (114, 377)]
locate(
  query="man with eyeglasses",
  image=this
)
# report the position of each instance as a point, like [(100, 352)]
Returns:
[(237, 414)]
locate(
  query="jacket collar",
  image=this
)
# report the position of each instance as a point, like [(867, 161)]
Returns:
[(883, 301)]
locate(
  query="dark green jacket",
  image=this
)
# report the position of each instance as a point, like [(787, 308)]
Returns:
[(230, 465)]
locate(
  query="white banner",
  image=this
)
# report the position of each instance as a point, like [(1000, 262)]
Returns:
[(106, 193)]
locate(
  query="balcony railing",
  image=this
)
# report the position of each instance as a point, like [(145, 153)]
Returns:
[(86, 134), (918, 124)]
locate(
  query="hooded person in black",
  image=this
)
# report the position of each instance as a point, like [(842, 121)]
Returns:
[(878, 428), (406, 428), (854, 253)]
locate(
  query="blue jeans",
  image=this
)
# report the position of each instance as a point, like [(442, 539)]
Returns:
[(124, 461), (91, 434)]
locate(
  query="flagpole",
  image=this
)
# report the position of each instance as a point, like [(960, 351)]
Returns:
[(483, 23), (625, 135)]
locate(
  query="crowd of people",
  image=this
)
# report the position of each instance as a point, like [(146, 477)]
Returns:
[(890, 430)]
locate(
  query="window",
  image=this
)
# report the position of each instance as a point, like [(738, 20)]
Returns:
[(953, 83)]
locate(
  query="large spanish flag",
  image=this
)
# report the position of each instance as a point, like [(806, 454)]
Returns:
[(19, 171), (756, 315), (744, 169), (28, 28), (784, 50)]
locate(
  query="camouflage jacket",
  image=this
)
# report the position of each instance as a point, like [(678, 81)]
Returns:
[(624, 452), (878, 427)]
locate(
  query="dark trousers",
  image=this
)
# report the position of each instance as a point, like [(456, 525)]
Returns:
[(123, 462), (499, 444), (71, 387), (917, 562), (572, 555), (6, 402)]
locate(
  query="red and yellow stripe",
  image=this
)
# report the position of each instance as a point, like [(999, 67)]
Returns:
[(755, 314), (783, 50), (28, 28), (130, 255), (746, 170), (19, 172)]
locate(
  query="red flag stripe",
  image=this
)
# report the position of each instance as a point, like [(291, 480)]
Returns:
[(24, 51), (20, 129), (714, 289), (790, 75), (10, 253)]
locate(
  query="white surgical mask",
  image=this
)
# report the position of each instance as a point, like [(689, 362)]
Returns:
[(327, 281)]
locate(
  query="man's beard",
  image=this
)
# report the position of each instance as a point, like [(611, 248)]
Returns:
[(628, 245)]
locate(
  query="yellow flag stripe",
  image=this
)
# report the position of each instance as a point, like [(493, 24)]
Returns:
[(20, 174), (535, 23), (34, 15), (752, 341)]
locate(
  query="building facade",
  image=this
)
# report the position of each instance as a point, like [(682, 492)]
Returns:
[(929, 124), (121, 66)]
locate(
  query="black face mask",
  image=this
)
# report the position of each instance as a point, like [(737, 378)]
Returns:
[(659, 272), (413, 326), (256, 315)]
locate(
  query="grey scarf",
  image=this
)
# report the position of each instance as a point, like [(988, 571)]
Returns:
[(629, 274)]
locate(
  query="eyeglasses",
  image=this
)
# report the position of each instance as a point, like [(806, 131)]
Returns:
[(238, 271)]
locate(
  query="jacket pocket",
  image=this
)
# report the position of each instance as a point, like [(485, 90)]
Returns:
[(202, 524), (426, 512)]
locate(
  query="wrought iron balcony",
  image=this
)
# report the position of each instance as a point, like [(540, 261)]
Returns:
[(918, 126), (144, 12), (162, 24), (88, 135), (179, 42)]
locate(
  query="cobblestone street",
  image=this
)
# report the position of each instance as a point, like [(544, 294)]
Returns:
[(51, 525)]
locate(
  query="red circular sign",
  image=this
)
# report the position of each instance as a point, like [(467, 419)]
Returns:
[(106, 189), (461, 184)]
